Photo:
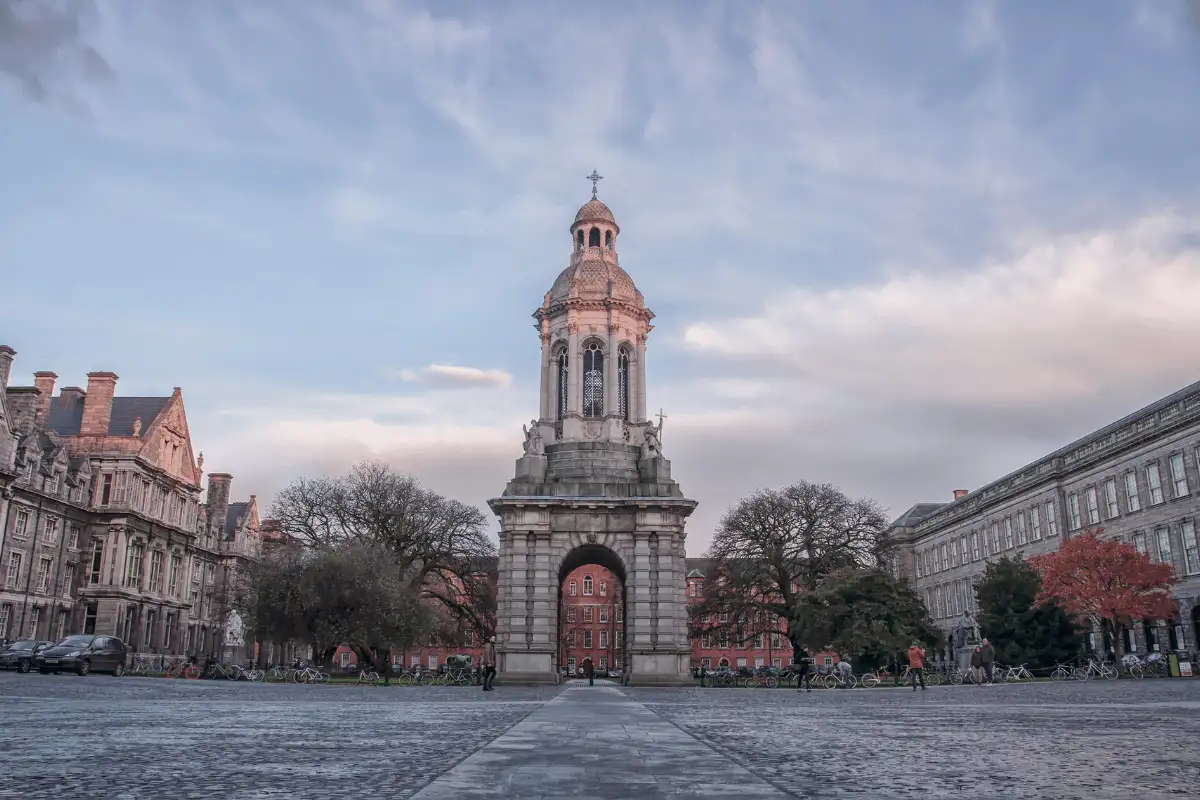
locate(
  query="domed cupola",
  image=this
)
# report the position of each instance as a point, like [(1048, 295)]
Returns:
[(594, 272)]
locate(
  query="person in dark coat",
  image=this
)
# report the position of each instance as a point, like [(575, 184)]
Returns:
[(977, 666), (801, 661), (589, 671), (385, 665), (489, 664), (989, 658)]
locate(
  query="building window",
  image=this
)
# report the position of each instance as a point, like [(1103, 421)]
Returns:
[(604, 614), (127, 624), (1008, 533), (564, 382), (1051, 519), (945, 556), (573, 589), (173, 575), (828, 661), (974, 546), (776, 662), (60, 629), (691, 589), (50, 484), (593, 381), (1111, 507), (1035, 524), (68, 580), (587, 640), (133, 569), (623, 383), (741, 662), (776, 641), (94, 570), (21, 527), (1093, 505), (587, 613), (723, 641), (758, 642), (169, 633), (35, 621), (106, 488), (1179, 481), (570, 613), (73, 543), (1022, 533), (45, 567), (1163, 536), (1154, 481), (5, 616), (587, 586), (156, 568), (603, 639), (1191, 553), (995, 532), (619, 614), (433, 663), (571, 668), (706, 641), (570, 638), (148, 631), (13, 575), (1074, 521), (962, 549), (1139, 542), (603, 588), (1132, 501), (706, 663)]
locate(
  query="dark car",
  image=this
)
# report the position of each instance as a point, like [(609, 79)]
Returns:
[(19, 655), (83, 653)]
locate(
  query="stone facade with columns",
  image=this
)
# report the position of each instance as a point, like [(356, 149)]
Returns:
[(1137, 478), (103, 526), (593, 486)]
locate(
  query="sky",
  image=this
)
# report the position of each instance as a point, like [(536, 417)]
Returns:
[(903, 248)]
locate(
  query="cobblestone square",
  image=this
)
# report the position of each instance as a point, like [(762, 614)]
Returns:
[(136, 738)]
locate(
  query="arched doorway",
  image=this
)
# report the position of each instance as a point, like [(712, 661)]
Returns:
[(592, 605)]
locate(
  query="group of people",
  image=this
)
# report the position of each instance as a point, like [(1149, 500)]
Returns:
[(982, 661)]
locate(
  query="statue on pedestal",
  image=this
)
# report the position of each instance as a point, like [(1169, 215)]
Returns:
[(652, 447), (534, 446)]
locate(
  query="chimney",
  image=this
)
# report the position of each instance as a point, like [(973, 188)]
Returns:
[(7, 354), (97, 405), (960, 493), (44, 382), (217, 500)]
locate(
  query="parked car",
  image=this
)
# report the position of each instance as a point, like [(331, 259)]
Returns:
[(19, 655), (83, 653)]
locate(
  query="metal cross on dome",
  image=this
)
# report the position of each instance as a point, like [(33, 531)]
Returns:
[(661, 416), (595, 178)]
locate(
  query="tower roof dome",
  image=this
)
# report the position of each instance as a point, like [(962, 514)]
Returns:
[(595, 278), (595, 211)]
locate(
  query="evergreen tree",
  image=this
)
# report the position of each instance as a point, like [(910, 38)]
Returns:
[(1021, 630)]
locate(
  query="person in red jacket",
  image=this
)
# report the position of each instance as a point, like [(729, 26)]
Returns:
[(916, 665)]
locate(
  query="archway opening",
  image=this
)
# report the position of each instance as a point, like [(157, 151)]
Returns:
[(592, 602)]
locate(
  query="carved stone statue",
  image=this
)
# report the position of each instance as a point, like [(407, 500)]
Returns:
[(200, 460), (137, 427), (534, 446), (651, 447)]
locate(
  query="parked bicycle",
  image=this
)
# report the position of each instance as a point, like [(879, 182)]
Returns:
[(1095, 669)]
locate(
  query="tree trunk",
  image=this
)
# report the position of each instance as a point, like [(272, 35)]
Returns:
[(1118, 644)]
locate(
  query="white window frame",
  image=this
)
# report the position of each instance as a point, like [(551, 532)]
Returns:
[(962, 549), (1008, 533), (21, 525), (974, 545), (1022, 531), (1133, 498), (603, 614), (587, 640), (588, 585), (1092, 501), (45, 570), (1154, 481), (1179, 481), (1051, 518), (1139, 543), (603, 639), (945, 557), (1035, 524), (1111, 505), (994, 530), (1191, 547), (1162, 543), (12, 573), (1074, 519)]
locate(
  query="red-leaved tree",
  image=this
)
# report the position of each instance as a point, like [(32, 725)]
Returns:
[(1096, 578)]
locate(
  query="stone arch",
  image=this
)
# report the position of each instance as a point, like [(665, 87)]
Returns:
[(606, 552), (594, 237)]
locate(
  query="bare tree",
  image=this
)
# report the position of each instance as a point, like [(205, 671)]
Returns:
[(774, 547), (437, 545)]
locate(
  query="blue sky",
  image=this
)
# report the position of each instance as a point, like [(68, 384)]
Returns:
[(902, 247)]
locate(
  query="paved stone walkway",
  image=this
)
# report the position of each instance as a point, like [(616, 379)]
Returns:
[(596, 742), (148, 739)]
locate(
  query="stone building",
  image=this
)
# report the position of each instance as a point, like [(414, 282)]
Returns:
[(593, 621), (593, 486), (103, 528), (1138, 479)]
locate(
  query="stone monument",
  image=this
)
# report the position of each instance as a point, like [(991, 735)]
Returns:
[(593, 486)]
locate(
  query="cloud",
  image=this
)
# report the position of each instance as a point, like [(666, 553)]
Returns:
[(42, 48), (446, 375), (1067, 317)]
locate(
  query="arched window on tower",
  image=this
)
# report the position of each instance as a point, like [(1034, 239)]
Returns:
[(608, 239), (594, 238), (593, 381), (623, 382), (563, 383), (579, 238)]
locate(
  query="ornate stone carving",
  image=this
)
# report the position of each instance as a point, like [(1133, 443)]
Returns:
[(651, 447), (591, 537), (626, 431), (591, 430), (572, 328), (558, 430), (137, 427), (534, 446)]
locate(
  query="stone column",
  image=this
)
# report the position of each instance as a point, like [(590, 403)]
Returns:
[(548, 382), (545, 600), (610, 371), (637, 618), (574, 371), (641, 380)]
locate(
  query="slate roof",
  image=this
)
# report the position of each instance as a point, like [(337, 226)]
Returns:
[(233, 517), (66, 414), (915, 514)]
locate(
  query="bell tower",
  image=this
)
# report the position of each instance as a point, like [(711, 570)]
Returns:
[(593, 485)]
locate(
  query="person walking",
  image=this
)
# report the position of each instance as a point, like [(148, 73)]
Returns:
[(801, 661), (916, 664), (385, 665), (988, 654), (589, 671), (489, 663), (977, 666)]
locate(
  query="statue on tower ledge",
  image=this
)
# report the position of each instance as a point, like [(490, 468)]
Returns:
[(534, 444)]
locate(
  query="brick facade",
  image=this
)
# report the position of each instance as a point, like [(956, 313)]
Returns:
[(102, 524), (1138, 478)]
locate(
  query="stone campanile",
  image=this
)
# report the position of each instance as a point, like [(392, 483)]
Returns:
[(593, 486)]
